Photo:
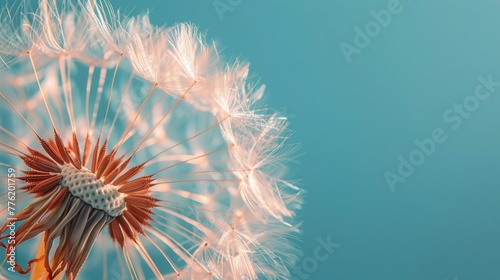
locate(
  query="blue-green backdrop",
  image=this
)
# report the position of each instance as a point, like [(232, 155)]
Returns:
[(357, 105)]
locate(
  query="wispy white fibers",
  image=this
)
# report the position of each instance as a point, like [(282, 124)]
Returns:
[(156, 115)]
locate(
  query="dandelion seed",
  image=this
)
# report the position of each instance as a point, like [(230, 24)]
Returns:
[(139, 153)]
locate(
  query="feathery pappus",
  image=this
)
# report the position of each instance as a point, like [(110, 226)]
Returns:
[(132, 151)]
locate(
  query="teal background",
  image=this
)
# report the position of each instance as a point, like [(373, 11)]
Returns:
[(355, 119)]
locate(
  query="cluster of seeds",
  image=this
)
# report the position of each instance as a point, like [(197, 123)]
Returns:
[(145, 154)]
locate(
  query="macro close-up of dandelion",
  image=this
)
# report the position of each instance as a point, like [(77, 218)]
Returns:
[(136, 151), (249, 140)]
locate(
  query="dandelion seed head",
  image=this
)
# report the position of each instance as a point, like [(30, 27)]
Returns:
[(138, 151), (83, 184)]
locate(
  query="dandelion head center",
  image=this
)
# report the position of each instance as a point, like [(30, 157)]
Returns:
[(82, 183)]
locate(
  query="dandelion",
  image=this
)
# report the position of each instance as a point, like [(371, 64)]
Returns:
[(138, 152)]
